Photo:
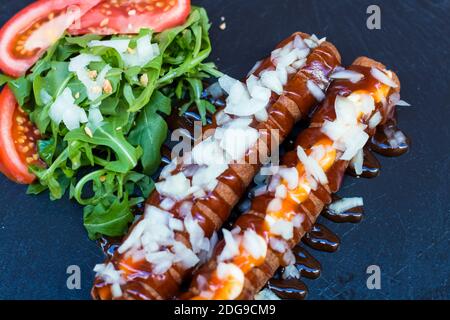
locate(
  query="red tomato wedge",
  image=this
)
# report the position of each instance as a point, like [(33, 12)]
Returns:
[(26, 36), (18, 137), (129, 16)]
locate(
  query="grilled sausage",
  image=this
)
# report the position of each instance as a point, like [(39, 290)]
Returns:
[(262, 238), (137, 279)]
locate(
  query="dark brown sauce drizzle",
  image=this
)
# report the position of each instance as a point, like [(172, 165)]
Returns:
[(321, 238), (306, 264), (289, 289), (380, 142), (353, 215), (371, 166)]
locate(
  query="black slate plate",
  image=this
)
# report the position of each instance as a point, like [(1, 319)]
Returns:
[(406, 230)]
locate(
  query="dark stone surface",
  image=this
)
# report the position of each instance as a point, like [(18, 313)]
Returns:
[(406, 229)]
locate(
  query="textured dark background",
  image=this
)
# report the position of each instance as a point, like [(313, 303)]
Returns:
[(406, 230)]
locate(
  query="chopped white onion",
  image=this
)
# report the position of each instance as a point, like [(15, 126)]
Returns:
[(176, 224), (281, 191), (358, 162), (236, 142), (167, 204), (185, 209), (185, 256), (299, 43), (402, 103), (65, 110), (208, 152), (226, 83), (266, 295), (270, 80), (222, 118), (291, 272), (262, 116), (225, 271), (312, 167), (196, 233), (168, 169), (206, 175), (177, 186), (275, 205), (315, 90), (345, 204), (280, 227), (110, 275), (144, 52), (231, 248), (240, 103), (395, 137), (290, 175), (288, 258), (278, 245), (375, 120), (297, 65), (383, 77), (298, 220), (254, 244), (353, 76)]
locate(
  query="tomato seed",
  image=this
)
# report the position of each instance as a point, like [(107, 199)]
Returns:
[(107, 87), (104, 22)]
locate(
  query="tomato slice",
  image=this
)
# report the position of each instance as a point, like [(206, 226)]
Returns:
[(129, 16), (18, 137), (25, 37)]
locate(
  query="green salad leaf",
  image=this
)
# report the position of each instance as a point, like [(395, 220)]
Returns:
[(151, 130), (106, 158)]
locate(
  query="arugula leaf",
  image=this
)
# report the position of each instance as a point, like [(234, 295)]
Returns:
[(108, 219), (151, 130), (21, 89), (126, 155), (4, 79), (46, 149), (82, 41)]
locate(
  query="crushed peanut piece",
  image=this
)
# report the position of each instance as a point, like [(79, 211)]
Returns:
[(92, 74), (107, 87), (144, 80)]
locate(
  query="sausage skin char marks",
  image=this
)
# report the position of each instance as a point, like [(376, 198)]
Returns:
[(196, 193), (262, 239)]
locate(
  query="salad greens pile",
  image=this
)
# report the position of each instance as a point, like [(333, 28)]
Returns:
[(108, 168)]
